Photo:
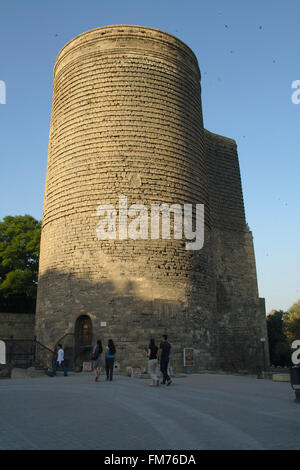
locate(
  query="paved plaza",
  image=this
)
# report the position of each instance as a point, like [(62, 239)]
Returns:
[(203, 411)]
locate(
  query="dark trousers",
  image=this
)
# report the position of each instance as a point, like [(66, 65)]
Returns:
[(109, 366), (62, 366), (164, 369)]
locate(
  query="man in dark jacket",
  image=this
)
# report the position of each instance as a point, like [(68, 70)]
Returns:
[(164, 355)]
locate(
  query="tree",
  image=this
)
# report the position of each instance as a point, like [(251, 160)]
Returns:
[(19, 257), (291, 322), (280, 352)]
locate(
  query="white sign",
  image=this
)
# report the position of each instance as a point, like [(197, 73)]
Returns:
[(2, 352), (103, 323), (86, 366), (188, 357)]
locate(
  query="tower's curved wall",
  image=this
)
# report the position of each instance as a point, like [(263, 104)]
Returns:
[(126, 120)]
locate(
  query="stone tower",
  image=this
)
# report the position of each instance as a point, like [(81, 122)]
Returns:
[(127, 122)]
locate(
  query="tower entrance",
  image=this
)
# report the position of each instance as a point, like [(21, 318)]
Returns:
[(83, 340)]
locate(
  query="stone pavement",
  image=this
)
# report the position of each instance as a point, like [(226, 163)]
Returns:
[(201, 411)]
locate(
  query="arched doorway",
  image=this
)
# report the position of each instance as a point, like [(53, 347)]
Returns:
[(83, 340)]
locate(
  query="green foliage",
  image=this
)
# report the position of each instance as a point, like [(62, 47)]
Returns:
[(280, 351), (19, 257), (291, 322), (295, 308)]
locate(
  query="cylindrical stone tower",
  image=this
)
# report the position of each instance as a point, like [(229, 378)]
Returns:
[(126, 121)]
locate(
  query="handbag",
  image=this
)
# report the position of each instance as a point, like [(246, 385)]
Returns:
[(96, 354)]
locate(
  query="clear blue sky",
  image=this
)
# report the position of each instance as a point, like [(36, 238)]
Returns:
[(248, 52)]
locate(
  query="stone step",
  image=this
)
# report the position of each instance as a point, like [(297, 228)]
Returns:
[(40, 367), (281, 378)]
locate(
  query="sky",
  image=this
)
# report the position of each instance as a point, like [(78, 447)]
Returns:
[(248, 56)]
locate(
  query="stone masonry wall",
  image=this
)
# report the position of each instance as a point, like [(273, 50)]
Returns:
[(225, 188), (18, 325), (126, 120), (241, 314)]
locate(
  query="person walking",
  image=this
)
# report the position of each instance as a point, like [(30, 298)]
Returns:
[(60, 361), (152, 363), (97, 360), (164, 356), (110, 359)]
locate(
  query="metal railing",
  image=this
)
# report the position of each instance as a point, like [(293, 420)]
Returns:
[(68, 343), (44, 356), (26, 353), (73, 348)]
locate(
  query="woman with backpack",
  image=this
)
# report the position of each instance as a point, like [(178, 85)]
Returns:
[(97, 360), (110, 359), (152, 363)]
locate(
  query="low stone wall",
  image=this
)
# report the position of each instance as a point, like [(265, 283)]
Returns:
[(5, 371), (18, 325)]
